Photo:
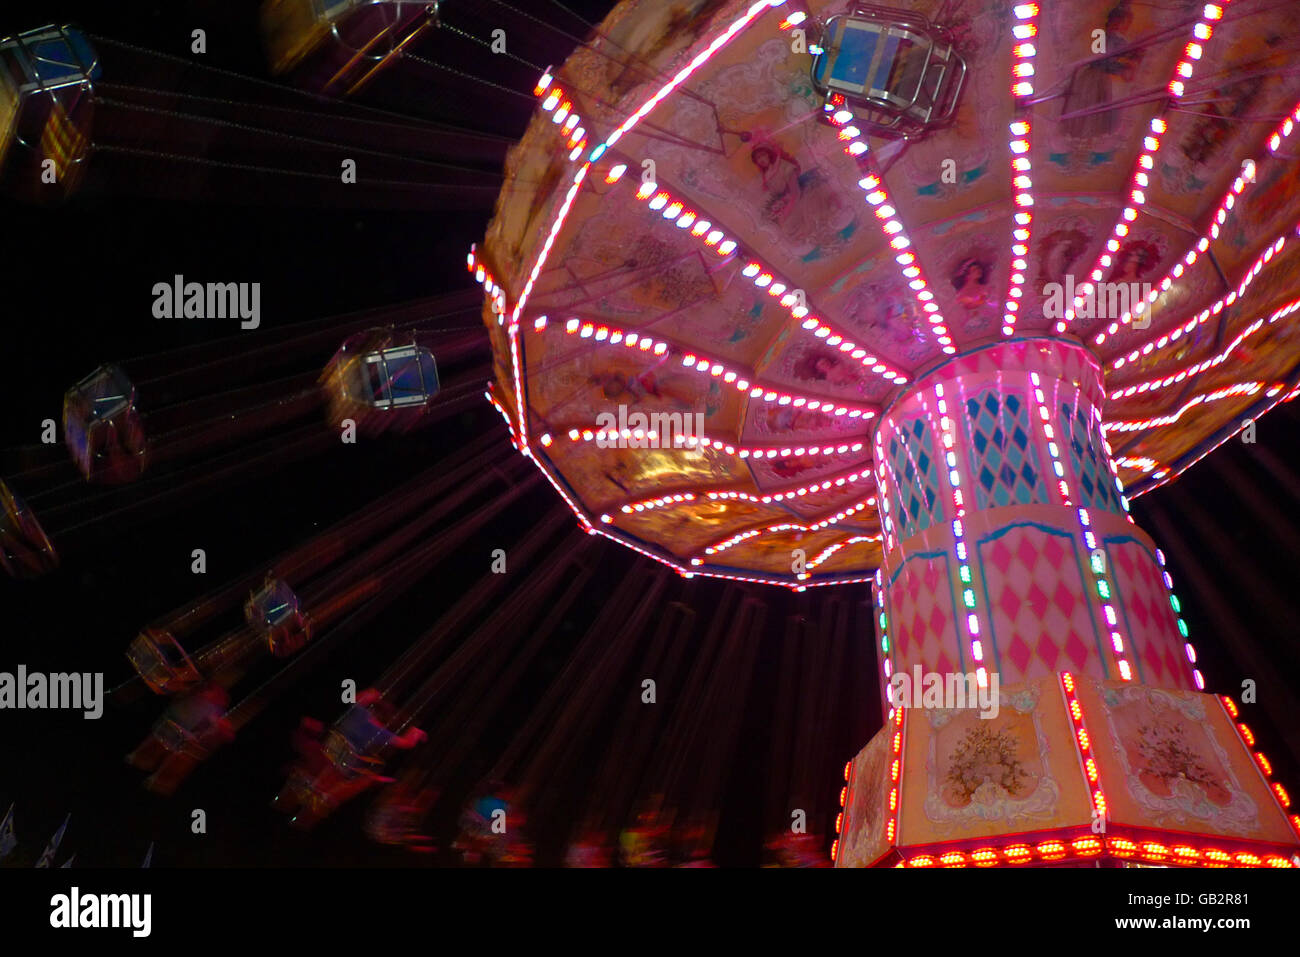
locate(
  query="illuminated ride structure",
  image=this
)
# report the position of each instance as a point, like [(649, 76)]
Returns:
[(810, 295), (819, 294)]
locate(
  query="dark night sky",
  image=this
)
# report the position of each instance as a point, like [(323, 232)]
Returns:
[(78, 281)]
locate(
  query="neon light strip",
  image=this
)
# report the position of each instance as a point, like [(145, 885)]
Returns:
[(627, 125), (892, 226), (662, 202), (1201, 34), (1091, 846), (1097, 563), (1110, 461), (1177, 606), (839, 818), (1023, 52), (1284, 130), (1239, 389), (1204, 316), (966, 585), (730, 495), (764, 278), (882, 487), (684, 74), (1266, 769), (839, 516), (886, 656), (1274, 390), (577, 139), (1083, 746), (1141, 463), (1196, 369), (895, 776), (685, 572), (692, 441), (489, 284), (550, 238), (736, 378), (830, 550), (514, 440)]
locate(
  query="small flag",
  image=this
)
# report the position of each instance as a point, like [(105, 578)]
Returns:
[(47, 857), (8, 840), (148, 858)]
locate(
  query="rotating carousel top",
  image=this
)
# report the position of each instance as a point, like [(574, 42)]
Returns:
[(735, 232)]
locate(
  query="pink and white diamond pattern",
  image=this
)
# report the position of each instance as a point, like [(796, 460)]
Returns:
[(1040, 619), (1149, 620), (924, 628)]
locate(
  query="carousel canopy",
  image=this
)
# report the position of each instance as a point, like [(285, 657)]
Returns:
[(735, 232)]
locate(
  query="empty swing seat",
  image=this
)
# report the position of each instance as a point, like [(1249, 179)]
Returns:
[(25, 550), (354, 743), (159, 659), (274, 612), (47, 79), (381, 379), (102, 427), (895, 71)]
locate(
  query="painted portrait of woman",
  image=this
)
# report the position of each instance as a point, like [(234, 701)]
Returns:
[(971, 280), (886, 312), (1060, 250), (826, 367), (786, 419), (1134, 260), (1091, 88), (792, 466), (801, 202)]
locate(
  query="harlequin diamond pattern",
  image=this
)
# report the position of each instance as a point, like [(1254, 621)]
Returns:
[(916, 477), (924, 627), (1152, 627), (1002, 455), (1040, 621), (1096, 484)]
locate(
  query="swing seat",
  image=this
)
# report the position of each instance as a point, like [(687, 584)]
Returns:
[(26, 552), (103, 429), (382, 380), (896, 72), (274, 612), (348, 758), (159, 659), (47, 81)]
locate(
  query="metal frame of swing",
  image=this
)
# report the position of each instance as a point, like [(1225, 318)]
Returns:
[(890, 104), (67, 94)]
